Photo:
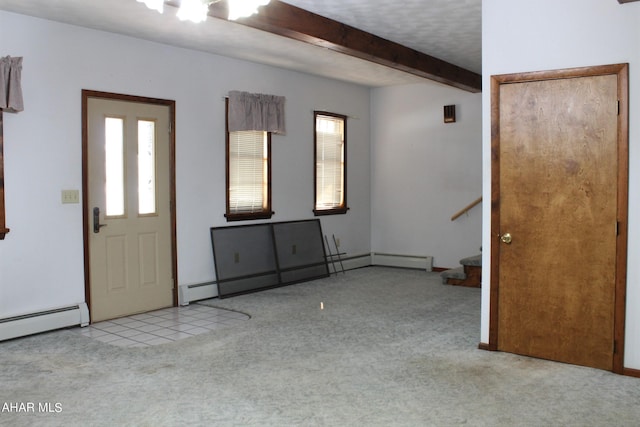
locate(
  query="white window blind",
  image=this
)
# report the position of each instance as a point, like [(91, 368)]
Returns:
[(329, 162), (248, 171)]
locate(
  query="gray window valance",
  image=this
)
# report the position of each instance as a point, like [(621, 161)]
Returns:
[(255, 111), (10, 87)]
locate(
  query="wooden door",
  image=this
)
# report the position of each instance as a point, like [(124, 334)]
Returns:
[(129, 207), (558, 213)]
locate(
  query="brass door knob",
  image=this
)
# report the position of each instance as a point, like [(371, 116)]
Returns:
[(506, 238)]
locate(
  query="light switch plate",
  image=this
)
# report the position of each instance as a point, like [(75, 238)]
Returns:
[(70, 196)]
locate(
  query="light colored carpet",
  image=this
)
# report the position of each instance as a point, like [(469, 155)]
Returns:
[(391, 347)]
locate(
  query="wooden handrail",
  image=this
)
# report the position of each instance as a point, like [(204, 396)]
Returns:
[(466, 209)]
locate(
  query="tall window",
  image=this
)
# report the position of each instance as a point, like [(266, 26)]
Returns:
[(248, 175), (330, 160), (114, 151)]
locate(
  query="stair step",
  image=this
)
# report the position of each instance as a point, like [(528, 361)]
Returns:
[(454, 273), (470, 274), (472, 260)]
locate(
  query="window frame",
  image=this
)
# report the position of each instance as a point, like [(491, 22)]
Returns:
[(267, 212), (3, 226), (343, 208)]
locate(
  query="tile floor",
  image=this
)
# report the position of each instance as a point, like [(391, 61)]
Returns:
[(162, 326)]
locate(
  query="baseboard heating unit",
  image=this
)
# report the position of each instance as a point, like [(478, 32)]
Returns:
[(196, 292), (351, 262), (42, 321), (191, 293), (404, 261)]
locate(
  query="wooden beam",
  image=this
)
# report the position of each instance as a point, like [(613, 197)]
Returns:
[(299, 24)]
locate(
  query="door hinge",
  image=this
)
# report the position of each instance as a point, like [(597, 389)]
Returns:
[(617, 228), (170, 124), (615, 346), (618, 107)]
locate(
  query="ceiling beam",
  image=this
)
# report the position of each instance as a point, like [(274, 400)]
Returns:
[(289, 21)]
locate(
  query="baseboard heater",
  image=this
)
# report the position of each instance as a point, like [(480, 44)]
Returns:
[(42, 321), (351, 262), (197, 292), (404, 261)]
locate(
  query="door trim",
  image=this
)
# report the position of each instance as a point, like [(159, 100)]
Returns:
[(622, 73), (86, 94)]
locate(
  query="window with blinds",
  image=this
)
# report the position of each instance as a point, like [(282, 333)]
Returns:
[(248, 175), (330, 163)]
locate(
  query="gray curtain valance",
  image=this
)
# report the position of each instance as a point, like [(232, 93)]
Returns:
[(10, 87), (255, 111)]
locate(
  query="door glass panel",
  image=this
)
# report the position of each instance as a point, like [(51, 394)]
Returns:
[(146, 167), (114, 166)]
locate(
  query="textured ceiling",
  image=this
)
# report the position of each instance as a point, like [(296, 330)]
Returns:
[(449, 30)]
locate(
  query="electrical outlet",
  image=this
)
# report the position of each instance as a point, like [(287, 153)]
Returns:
[(70, 196)]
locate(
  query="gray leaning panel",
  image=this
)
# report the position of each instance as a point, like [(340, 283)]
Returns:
[(245, 285), (298, 243), (304, 273), (254, 257), (244, 258)]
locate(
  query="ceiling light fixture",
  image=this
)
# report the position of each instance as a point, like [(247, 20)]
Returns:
[(154, 4), (193, 10), (243, 8), (196, 10)]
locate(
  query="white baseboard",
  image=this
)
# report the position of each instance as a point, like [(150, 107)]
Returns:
[(197, 292), (350, 262), (42, 321), (404, 261)]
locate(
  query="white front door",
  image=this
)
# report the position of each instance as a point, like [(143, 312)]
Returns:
[(128, 201)]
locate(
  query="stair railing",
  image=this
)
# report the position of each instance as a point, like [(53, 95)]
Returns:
[(466, 209)]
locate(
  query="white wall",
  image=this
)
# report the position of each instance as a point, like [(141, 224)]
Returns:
[(424, 171), (549, 34), (41, 259)]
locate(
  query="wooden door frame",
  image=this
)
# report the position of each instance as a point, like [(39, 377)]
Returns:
[(86, 94), (622, 73)]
